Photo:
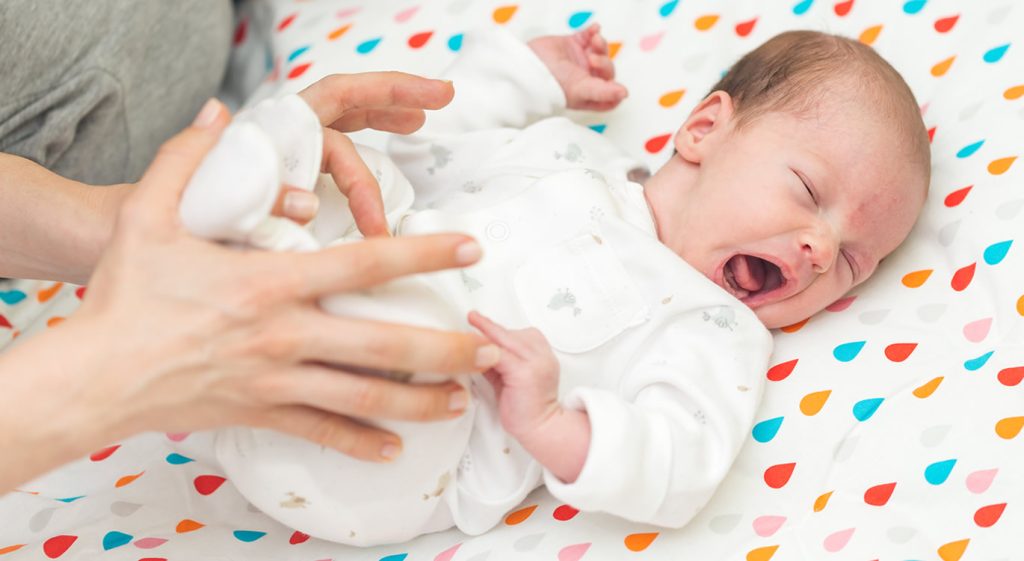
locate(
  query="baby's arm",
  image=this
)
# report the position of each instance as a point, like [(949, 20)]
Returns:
[(526, 385)]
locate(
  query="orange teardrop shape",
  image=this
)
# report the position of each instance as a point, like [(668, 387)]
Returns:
[(520, 515), (47, 293), (821, 501), (952, 551), (1014, 92), (869, 35), (999, 167), (796, 326), (187, 525), (762, 553), (504, 13), (613, 49), (705, 23), (943, 67), (128, 479), (639, 542), (671, 98), (1009, 427), (929, 388), (339, 32), (11, 548), (812, 403), (917, 278)]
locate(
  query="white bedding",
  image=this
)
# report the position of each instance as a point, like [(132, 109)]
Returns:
[(891, 425)]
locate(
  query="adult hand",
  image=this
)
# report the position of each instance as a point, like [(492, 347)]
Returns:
[(177, 333), (385, 101)]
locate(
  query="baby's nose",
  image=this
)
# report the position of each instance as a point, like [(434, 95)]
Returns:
[(820, 248)]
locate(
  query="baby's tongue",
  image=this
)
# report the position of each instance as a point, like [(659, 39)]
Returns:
[(748, 272)]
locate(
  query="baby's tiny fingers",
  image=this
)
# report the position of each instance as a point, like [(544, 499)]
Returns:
[(502, 337), (601, 66)]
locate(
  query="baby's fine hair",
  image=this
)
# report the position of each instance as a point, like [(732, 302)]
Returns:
[(791, 71)]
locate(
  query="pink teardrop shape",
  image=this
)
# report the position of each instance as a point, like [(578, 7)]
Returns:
[(977, 330), (838, 540), (573, 552), (765, 526), (979, 481)]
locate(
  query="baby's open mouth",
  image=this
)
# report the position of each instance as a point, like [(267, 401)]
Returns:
[(749, 277)]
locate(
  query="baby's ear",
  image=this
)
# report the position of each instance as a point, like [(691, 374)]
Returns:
[(711, 115)]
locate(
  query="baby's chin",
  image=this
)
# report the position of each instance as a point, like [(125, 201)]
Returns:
[(782, 314)]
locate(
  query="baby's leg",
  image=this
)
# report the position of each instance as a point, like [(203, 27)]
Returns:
[(328, 495)]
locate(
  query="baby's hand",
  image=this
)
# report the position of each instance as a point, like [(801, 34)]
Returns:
[(525, 380), (581, 64)]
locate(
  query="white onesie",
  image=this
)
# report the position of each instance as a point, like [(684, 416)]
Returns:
[(668, 366)]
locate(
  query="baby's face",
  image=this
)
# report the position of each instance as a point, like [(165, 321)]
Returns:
[(789, 213)]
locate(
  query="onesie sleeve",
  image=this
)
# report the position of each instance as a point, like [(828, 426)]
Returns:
[(500, 87), (664, 441)]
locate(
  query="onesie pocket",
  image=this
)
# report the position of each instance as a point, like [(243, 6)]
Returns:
[(578, 294)]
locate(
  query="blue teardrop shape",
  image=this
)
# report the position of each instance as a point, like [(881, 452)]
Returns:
[(11, 297), (178, 459), (848, 351), (366, 46), (395, 557), (297, 53), (993, 55), (937, 473), (914, 6), (115, 539), (71, 499), (248, 535), (801, 8), (865, 408), (667, 8), (969, 149), (996, 252), (976, 363), (598, 128), (766, 430), (578, 19), (455, 42)]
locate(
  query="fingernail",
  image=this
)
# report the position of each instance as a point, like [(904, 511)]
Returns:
[(301, 205), (208, 114), (390, 451), (487, 356), (469, 252), (458, 400)]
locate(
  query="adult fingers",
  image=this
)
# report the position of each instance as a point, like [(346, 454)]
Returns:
[(155, 200), (355, 266), (362, 395), (346, 435), (297, 204), (335, 95), (356, 182), (401, 120), (390, 347)]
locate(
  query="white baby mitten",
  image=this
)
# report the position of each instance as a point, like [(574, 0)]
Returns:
[(230, 196)]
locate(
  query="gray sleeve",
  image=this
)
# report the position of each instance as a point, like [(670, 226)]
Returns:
[(91, 88)]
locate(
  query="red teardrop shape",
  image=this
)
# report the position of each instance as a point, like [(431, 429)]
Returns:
[(420, 39), (80, 292), (297, 538), (565, 512), (207, 484), (989, 515), (898, 352), (782, 370), (843, 8), (945, 24), (655, 144), (57, 545), (299, 70), (744, 28), (1011, 376), (103, 454), (958, 196), (240, 31), (879, 494), (778, 475), (963, 278), (286, 22)]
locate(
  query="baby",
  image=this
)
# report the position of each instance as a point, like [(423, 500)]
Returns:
[(631, 318)]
